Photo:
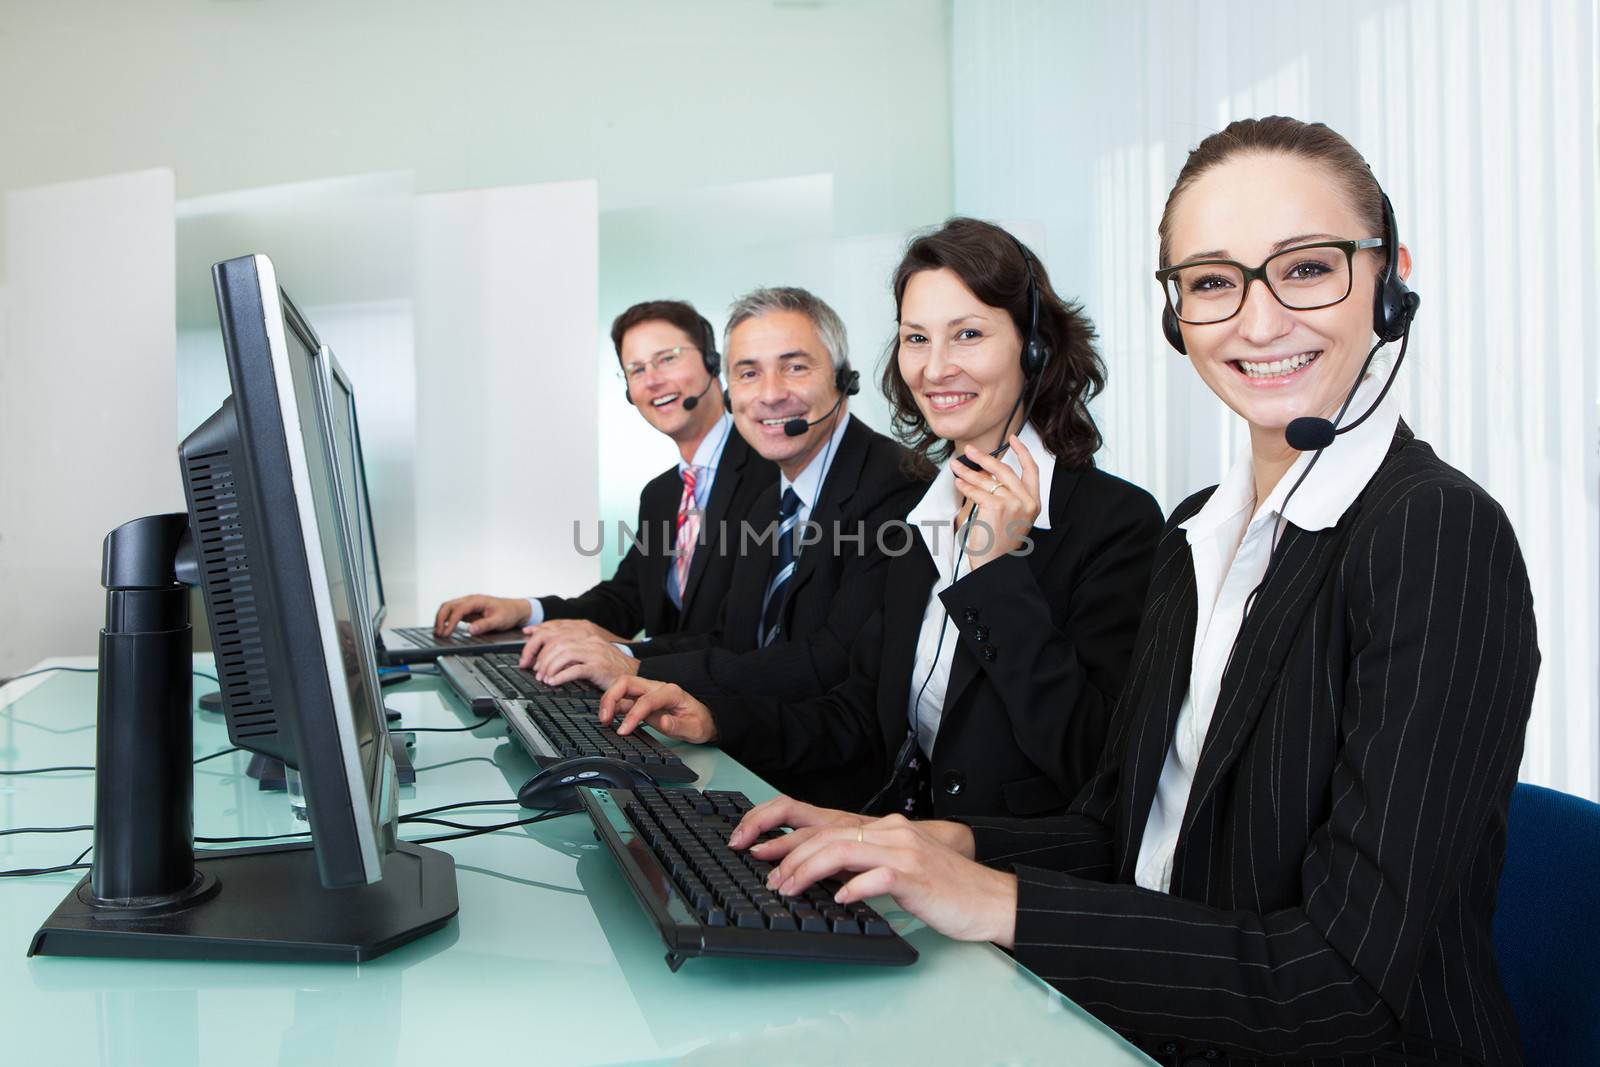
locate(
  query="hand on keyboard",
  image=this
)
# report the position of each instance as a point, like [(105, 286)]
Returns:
[(482, 614), (662, 705), (551, 628), (567, 659), (912, 863)]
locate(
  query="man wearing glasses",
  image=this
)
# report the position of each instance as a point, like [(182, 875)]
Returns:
[(802, 590), (677, 572)]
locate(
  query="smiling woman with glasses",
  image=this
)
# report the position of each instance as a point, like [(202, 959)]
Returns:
[(1291, 847)]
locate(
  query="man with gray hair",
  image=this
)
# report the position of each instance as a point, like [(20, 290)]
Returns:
[(810, 566)]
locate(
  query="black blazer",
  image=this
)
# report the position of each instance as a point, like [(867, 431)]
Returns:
[(1335, 875), (1043, 642), (635, 597), (831, 596)]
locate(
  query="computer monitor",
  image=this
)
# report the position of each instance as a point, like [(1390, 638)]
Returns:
[(316, 706), (271, 547), (345, 441)]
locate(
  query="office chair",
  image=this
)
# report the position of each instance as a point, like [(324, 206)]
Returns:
[(1547, 924)]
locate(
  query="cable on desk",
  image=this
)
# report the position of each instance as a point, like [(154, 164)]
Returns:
[(251, 837), (49, 770), (485, 721), (489, 829), (47, 670), (32, 872), (510, 803), (460, 825), (77, 865), (83, 767), (46, 830), (84, 670)]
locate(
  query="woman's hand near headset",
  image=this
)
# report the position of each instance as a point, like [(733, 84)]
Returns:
[(1006, 503)]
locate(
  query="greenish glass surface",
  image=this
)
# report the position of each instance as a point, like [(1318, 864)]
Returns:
[(551, 960)]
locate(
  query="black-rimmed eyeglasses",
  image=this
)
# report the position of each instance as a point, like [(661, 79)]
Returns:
[(1302, 278)]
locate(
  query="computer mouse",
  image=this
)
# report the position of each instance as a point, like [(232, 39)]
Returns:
[(556, 787)]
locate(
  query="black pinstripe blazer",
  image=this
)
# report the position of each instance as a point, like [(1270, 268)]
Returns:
[(1334, 880)]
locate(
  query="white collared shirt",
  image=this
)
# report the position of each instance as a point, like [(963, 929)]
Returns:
[(707, 458), (807, 485), (934, 518), (1231, 542)]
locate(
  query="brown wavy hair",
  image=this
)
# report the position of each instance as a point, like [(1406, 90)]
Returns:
[(989, 262)]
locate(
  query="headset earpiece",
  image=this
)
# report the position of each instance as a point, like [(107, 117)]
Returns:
[(708, 348), (1393, 304), (846, 380), (1035, 351), (1169, 327)]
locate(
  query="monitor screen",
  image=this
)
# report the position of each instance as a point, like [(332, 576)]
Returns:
[(345, 437), (358, 671)]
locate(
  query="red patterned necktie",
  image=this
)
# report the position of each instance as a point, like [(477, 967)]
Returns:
[(688, 531)]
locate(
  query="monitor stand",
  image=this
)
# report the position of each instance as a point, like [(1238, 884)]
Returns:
[(149, 894)]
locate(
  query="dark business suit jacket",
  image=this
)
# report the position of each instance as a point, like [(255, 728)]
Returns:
[(837, 584), (1043, 641), (1335, 875), (635, 597)]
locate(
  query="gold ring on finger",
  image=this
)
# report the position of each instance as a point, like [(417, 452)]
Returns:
[(995, 488), (861, 833)]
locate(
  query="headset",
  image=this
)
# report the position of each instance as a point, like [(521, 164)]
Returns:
[(708, 355), (1036, 354), (846, 382)]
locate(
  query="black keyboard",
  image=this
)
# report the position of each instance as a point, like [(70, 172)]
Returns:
[(500, 668), (556, 727), (424, 637), (708, 900)]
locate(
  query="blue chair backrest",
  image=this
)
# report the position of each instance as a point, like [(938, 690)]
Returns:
[(1547, 925)]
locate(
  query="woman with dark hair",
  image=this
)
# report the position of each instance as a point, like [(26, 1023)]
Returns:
[(985, 681), (1291, 847)]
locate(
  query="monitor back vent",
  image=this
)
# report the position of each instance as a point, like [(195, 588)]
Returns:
[(219, 523)]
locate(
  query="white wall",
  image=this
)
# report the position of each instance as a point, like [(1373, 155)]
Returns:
[(343, 251), (1479, 117), (87, 399), (645, 97), (506, 303)]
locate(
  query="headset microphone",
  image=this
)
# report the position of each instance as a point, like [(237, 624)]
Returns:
[(796, 427), (1311, 434), (690, 402), (847, 382)]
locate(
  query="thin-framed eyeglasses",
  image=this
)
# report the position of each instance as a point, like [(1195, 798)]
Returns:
[(662, 361), (1302, 278)]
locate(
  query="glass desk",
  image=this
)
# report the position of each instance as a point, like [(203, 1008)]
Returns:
[(551, 959)]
